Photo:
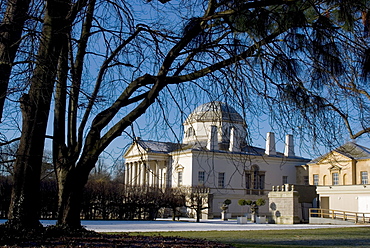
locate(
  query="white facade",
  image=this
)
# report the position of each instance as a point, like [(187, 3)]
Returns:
[(214, 154)]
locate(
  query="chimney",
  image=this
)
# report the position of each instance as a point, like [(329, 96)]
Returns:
[(289, 146), (234, 145), (270, 144), (212, 139)]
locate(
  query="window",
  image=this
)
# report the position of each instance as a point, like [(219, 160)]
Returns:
[(190, 132), (364, 177), (285, 179), (324, 180), (306, 180), (335, 176), (201, 177), (179, 178), (254, 178), (221, 180), (248, 180), (315, 179)]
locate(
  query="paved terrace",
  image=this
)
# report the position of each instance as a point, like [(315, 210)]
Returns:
[(165, 225)]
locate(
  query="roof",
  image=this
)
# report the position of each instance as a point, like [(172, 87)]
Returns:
[(168, 147), (350, 150), (214, 111), (158, 146), (353, 150)]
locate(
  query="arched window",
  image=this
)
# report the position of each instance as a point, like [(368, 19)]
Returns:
[(190, 132), (324, 180)]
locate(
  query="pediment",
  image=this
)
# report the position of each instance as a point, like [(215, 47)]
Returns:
[(179, 167), (134, 150), (333, 157), (335, 168)]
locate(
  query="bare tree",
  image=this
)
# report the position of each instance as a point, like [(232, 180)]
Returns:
[(198, 200), (258, 52), (175, 198), (35, 105), (11, 29)]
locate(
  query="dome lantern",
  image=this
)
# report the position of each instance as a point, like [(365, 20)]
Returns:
[(197, 125)]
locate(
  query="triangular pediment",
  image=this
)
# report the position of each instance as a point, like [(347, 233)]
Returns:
[(179, 167), (335, 168), (332, 157), (134, 150)]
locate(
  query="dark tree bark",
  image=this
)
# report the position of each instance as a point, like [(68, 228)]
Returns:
[(70, 195), (10, 35), (24, 209)]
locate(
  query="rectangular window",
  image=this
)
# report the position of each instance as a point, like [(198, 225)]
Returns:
[(248, 180), (364, 177), (285, 179), (315, 179), (335, 176), (254, 179), (201, 177), (261, 181), (179, 178), (305, 180), (221, 180)]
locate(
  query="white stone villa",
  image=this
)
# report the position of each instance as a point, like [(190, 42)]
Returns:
[(214, 153)]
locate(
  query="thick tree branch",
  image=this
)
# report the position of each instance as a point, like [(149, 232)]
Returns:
[(225, 63), (77, 70), (99, 80)]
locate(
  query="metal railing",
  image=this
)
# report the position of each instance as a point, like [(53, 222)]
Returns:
[(355, 217)]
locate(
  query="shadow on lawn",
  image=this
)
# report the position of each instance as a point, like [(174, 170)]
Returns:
[(343, 243)]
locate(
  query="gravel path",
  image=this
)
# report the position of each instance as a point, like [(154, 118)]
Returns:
[(163, 225)]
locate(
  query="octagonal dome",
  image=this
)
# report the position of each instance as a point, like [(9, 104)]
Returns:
[(214, 112)]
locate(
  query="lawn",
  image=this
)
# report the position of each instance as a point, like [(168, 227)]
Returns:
[(331, 237)]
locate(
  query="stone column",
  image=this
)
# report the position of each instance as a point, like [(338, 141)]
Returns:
[(139, 173), (129, 177), (143, 172), (127, 174), (150, 174), (147, 176), (156, 174), (134, 174)]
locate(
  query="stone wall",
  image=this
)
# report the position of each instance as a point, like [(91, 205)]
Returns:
[(289, 204), (284, 205)]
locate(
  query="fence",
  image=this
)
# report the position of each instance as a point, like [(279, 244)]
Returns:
[(355, 217)]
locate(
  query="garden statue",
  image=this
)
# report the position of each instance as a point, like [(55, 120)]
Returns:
[(224, 207)]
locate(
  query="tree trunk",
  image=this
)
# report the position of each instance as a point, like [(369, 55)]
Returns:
[(10, 33), (24, 209), (71, 182)]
